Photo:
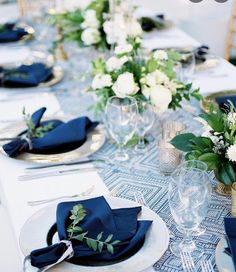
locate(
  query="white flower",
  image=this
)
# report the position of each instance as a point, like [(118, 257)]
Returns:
[(231, 153), (123, 49), (115, 63), (134, 28), (160, 97), (101, 80), (231, 117), (91, 19), (146, 91), (160, 55), (91, 36), (125, 85), (156, 77), (172, 86)]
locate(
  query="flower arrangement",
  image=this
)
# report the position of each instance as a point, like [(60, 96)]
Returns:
[(216, 146), (94, 25), (154, 79)]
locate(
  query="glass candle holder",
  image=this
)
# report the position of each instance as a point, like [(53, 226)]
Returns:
[(169, 157), (171, 129)]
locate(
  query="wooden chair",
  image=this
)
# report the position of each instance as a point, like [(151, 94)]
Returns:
[(230, 43)]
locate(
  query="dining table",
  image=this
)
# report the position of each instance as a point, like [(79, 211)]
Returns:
[(140, 174)]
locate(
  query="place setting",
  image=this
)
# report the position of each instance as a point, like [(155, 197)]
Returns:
[(113, 155)]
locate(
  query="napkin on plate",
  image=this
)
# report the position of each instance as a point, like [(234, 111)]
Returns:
[(230, 229), (62, 137), (223, 101), (150, 23), (121, 223), (10, 33), (26, 75)]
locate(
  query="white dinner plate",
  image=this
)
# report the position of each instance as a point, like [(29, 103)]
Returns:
[(223, 261), (34, 232)]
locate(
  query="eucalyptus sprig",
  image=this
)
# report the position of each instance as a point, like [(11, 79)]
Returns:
[(32, 130), (78, 213)]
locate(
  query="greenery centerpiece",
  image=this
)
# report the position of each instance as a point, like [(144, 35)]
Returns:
[(99, 24), (151, 79), (216, 146)]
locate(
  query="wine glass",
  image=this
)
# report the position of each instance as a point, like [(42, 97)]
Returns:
[(189, 197), (188, 64), (120, 120), (144, 122)]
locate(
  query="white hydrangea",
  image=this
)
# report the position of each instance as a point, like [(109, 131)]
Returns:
[(231, 153), (101, 80), (160, 97), (125, 85), (231, 117), (91, 20), (91, 36), (115, 63), (160, 55), (155, 78), (123, 49)]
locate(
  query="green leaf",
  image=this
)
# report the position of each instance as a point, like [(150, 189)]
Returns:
[(193, 155), (110, 248), (99, 236), (115, 242), (109, 238), (94, 245), (182, 142), (88, 241), (77, 229), (100, 246), (227, 174), (211, 159)]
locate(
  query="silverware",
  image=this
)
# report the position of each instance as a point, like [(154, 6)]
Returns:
[(48, 200), (56, 173), (45, 166), (207, 266), (187, 262)]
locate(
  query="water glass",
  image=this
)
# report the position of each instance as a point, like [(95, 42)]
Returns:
[(188, 64), (144, 122), (121, 120), (189, 196)]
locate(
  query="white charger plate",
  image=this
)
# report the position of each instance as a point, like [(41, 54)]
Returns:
[(34, 232), (223, 261)]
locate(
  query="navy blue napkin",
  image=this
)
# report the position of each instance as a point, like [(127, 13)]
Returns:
[(201, 53), (223, 102), (11, 33), (230, 229), (26, 75), (122, 223), (63, 137)]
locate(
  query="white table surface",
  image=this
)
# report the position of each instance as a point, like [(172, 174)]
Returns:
[(15, 194)]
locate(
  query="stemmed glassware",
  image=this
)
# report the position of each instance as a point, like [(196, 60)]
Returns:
[(189, 196), (121, 120), (188, 64), (144, 122)]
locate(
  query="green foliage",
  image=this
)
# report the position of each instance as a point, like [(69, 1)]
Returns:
[(182, 142), (32, 130), (78, 213), (215, 119), (226, 174)]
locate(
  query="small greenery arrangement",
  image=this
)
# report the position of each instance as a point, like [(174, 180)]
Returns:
[(78, 213), (153, 79), (32, 130), (216, 146)]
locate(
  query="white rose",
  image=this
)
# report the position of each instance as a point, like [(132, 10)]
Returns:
[(231, 153), (134, 28), (91, 19), (172, 86), (115, 63), (91, 36), (146, 91), (160, 55), (123, 49), (156, 77), (125, 85), (160, 97), (101, 80)]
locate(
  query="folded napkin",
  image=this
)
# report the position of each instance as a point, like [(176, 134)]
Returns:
[(121, 223), (201, 53), (62, 137), (10, 33), (149, 23), (223, 102), (230, 229), (26, 75)]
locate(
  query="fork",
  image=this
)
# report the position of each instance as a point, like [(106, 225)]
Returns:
[(207, 266), (187, 262), (44, 201)]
